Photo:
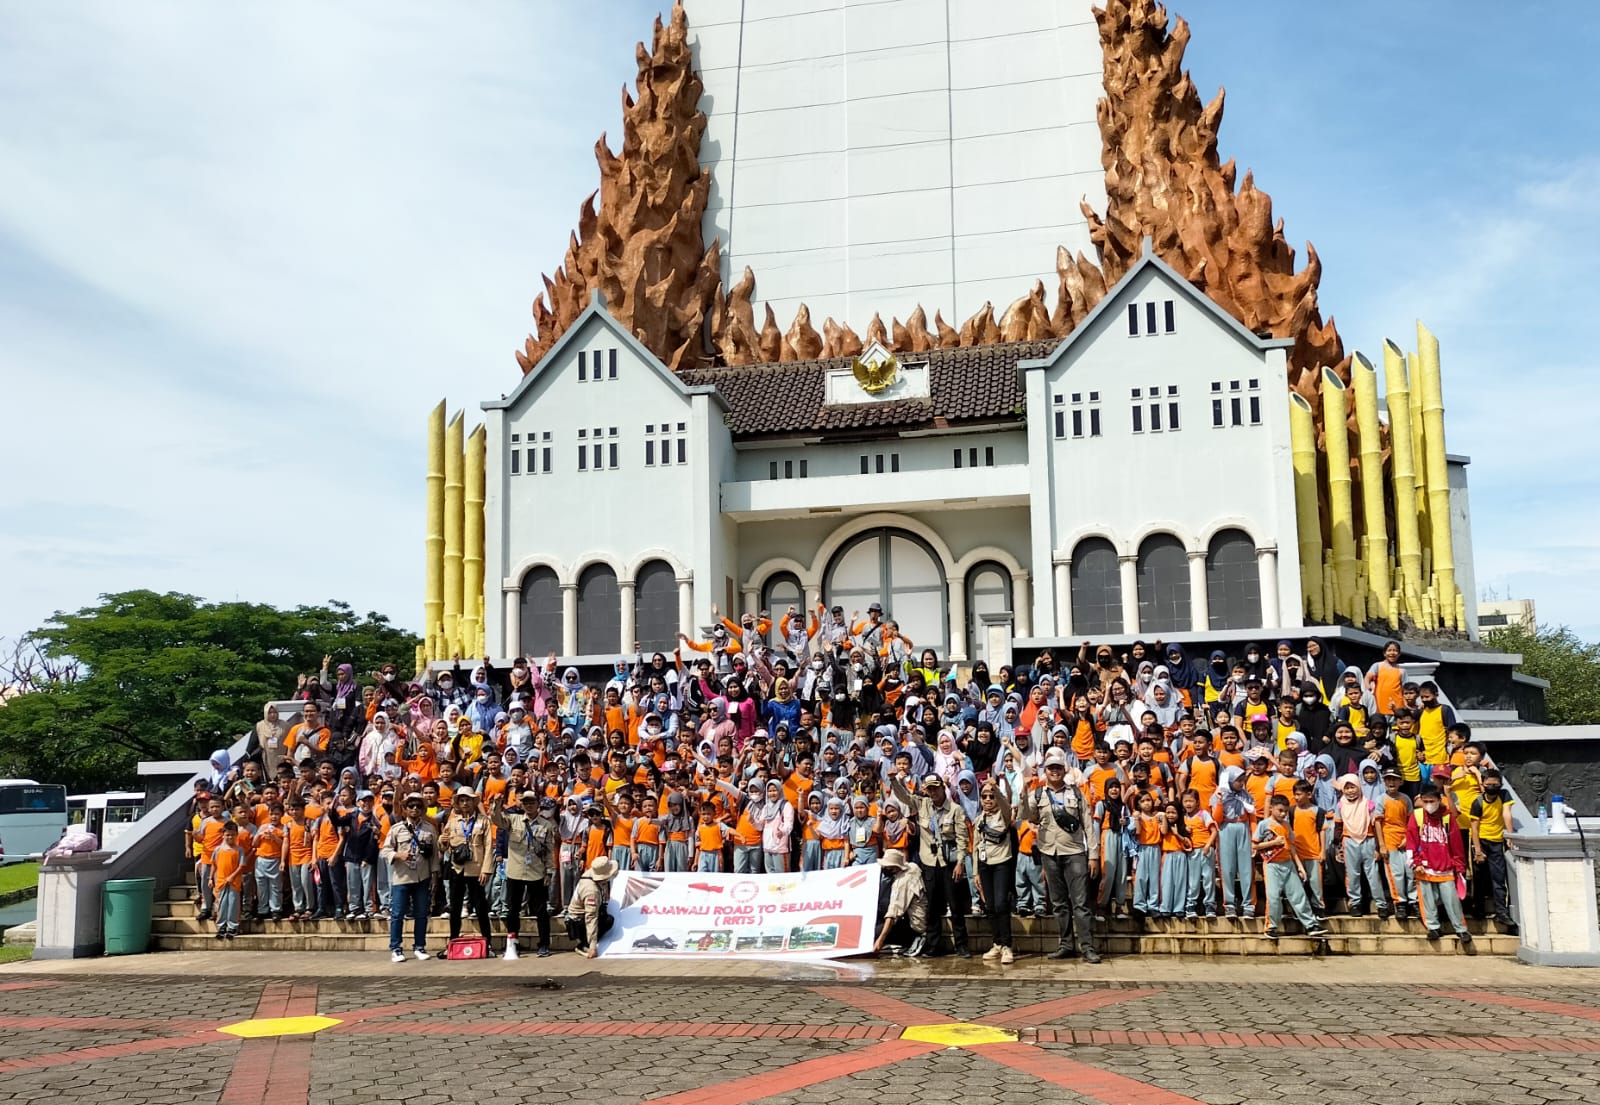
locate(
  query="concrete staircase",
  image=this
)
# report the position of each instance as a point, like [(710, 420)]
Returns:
[(176, 929)]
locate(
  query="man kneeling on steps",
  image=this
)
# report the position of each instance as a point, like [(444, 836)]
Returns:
[(906, 917)]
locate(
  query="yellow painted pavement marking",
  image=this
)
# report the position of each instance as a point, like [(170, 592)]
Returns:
[(279, 1026), (958, 1034)]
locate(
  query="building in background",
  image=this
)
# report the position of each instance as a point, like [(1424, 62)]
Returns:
[(1497, 614)]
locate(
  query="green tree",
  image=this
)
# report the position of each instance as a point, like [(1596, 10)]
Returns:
[(1571, 665), (147, 676)]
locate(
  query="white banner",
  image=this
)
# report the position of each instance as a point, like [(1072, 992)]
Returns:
[(818, 915)]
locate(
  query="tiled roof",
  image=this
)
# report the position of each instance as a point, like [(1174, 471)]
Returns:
[(977, 384)]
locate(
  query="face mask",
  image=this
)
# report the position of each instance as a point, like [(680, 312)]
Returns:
[(1252, 656), (483, 700), (816, 665), (1492, 792), (652, 729), (857, 667), (445, 684)]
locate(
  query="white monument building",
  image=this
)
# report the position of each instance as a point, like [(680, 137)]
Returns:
[(1130, 478)]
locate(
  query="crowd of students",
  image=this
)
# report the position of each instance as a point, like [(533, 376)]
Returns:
[(1095, 786)]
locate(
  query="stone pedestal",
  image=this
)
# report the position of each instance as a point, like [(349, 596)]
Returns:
[(69, 906), (1553, 880)]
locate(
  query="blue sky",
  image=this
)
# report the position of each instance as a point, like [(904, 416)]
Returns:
[(245, 248)]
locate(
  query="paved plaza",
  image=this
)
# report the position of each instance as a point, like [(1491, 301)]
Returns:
[(334, 1029)]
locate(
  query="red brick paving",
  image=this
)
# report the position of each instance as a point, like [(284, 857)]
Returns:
[(1046, 1011), (798, 1076), (1080, 1078), (1528, 1005), (275, 1070)]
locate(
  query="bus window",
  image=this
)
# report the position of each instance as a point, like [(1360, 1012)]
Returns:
[(32, 798)]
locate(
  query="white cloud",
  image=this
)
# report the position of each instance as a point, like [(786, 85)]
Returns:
[(243, 250)]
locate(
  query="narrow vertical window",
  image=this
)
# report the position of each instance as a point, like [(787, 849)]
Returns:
[(1077, 424), (1061, 428), (649, 452), (864, 465), (972, 458), (894, 462), (1133, 321), (1094, 422), (1255, 410), (1155, 417), (1138, 420), (516, 462), (1216, 412), (772, 470), (1172, 416), (788, 469), (611, 368), (545, 457), (1238, 416), (958, 451), (612, 457), (988, 456), (583, 365), (583, 458), (683, 450), (878, 462), (1172, 322), (1150, 317)]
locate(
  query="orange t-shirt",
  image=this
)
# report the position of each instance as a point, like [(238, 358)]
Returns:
[(1147, 829), (1083, 739), (596, 846), (1393, 815), (1203, 778), (622, 830), (1097, 784), (1200, 828), (896, 834), (269, 841), (229, 867), (1307, 840), (1257, 786), (209, 835), (1172, 841), (709, 836), (747, 833), (646, 830), (1281, 853), (299, 844)]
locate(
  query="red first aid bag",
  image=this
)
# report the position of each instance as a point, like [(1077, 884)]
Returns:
[(468, 947)]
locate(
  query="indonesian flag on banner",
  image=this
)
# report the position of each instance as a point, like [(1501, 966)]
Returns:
[(817, 915)]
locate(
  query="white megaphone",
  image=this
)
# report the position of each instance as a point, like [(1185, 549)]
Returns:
[(1558, 815)]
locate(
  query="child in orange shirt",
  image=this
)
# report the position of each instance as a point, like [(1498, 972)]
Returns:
[(228, 872), (302, 889), (1175, 849), (709, 837), (1285, 875), (1147, 826), (1202, 865), (269, 864)]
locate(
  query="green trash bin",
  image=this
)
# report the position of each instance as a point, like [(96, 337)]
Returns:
[(127, 906)]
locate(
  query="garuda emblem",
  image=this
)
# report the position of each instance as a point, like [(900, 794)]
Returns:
[(875, 370)]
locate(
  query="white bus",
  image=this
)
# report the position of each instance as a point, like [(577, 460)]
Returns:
[(109, 816), (32, 818)]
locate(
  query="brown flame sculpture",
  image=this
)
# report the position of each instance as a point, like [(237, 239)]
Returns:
[(1164, 180), (643, 245)]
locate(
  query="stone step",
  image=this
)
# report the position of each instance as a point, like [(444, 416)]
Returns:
[(375, 939), (1340, 925)]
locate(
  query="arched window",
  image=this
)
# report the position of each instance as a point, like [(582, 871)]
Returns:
[(1096, 588), (781, 591), (655, 607), (1163, 585), (1233, 582), (988, 592), (899, 570), (599, 612), (541, 613)]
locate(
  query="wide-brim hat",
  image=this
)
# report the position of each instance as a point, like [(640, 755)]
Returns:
[(892, 857), (602, 869)]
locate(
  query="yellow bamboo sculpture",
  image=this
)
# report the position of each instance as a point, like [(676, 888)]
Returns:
[(433, 541), (472, 542), (1303, 445), (1402, 464), (1374, 522), (1432, 386), (1341, 514), (453, 510)]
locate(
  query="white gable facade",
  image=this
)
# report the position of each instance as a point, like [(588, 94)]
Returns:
[(1137, 482), (1162, 487)]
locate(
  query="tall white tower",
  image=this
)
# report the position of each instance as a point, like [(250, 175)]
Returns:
[(871, 155)]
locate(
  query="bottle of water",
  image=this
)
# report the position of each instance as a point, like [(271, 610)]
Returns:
[(1544, 820)]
